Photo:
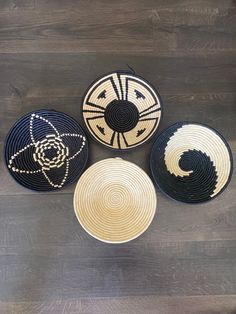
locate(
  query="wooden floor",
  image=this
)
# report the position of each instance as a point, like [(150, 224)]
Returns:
[(50, 51)]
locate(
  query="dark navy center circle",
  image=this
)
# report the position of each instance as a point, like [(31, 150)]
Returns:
[(121, 115)]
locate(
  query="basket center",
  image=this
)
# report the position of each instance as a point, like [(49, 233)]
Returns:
[(121, 115), (50, 153)]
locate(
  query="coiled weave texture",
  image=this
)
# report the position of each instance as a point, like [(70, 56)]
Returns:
[(46, 150), (115, 200), (121, 110), (191, 162)]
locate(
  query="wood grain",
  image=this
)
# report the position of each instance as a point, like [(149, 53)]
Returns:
[(132, 305), (50, 51), (154, 27)]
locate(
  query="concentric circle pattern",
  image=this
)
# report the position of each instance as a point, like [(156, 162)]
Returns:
[(115, 200), (191, 162), (121, 110), (46, 150)]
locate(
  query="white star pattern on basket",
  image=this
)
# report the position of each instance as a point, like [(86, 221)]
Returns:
[(54, 140)]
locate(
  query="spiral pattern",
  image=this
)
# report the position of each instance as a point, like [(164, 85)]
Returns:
[(114, 200), (121, 110), (46, 150), (191, 162)]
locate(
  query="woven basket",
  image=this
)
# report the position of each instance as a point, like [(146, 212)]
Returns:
[(46, 150), (191, 162), (121, 110), (115, 200)]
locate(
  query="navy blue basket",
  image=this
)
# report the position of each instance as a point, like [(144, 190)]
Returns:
[(46, 150)]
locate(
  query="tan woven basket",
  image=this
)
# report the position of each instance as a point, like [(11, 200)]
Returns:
[(115, 200), (122, 110)]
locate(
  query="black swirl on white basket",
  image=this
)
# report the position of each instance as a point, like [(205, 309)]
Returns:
[(191, 162), (121, 110)]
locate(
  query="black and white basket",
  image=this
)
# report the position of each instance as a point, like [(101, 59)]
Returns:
[(121, 110), (46, 150), (191, 162)]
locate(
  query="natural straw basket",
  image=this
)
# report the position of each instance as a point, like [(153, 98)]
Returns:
[(121, 110), (191, 162), (46, 150), (115, 200)]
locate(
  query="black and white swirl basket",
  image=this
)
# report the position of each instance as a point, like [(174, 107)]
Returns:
[(46, 150), (191, 162), (121, 110)]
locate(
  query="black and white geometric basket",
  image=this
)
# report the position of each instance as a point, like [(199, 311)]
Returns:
[(191, 162), (46, 150), (121, 110)]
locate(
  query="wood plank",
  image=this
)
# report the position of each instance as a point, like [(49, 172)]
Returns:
[(194, 29), (63, 75), (127, 305), (162, 28), (104, 4), (76, 24), (55, 5), (76, 30), (9, 5)]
